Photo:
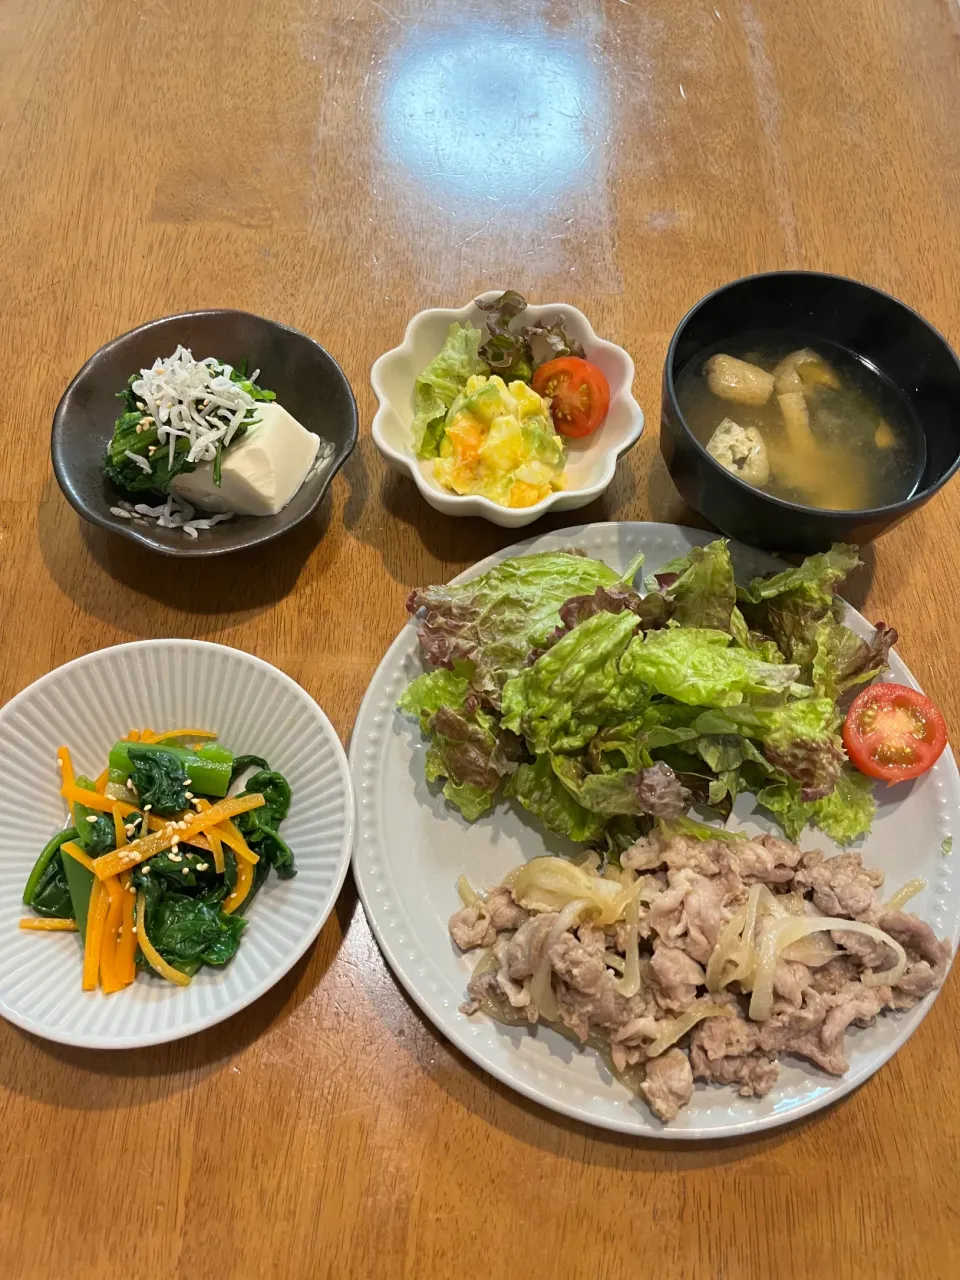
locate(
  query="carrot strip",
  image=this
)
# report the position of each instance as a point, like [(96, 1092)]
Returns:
[(152, 955), (93, 800), (77, 854), (133, 736), (183, 733), (48, 924), (232, 838), (160, 824), (244, 881), (118, 827), (148, 736), (66, 773), (216, 844), (101, 782), (108, 943), (66, 764), (127, 948), (96, 919), (111, 864)]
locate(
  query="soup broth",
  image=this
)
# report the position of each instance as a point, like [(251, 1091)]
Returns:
[(803, 420)]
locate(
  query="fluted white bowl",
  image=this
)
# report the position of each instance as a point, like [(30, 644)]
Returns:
[(89, 703), (591, 462)]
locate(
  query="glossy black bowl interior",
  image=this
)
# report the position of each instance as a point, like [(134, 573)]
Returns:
[(873, 325), (309, 384)]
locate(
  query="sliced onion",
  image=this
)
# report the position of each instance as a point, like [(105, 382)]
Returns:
[(725, 948), (679, 1027), (629, 984), (747, 956), (541, 986), (548, 884), (468, 895), (785, 932), (902, 896)]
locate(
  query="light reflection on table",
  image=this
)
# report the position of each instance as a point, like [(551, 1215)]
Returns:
[(485, 112)]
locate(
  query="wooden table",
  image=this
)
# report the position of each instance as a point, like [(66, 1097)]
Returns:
[(338, 165)]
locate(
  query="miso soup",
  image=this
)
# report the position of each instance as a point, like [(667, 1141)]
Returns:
[(804, 420)]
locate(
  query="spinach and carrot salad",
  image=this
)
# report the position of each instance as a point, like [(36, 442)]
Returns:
[(159, 862)]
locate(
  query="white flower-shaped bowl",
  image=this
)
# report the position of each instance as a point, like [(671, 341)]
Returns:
[(591, 462)]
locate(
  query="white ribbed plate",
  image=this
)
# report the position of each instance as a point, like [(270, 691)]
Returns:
[(412, 846), (89, 703)]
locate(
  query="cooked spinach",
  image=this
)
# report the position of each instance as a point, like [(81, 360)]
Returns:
[(160, 779), (51, 897), (123, 473), (95, 830), (47, 854), (259, 826), (184, 893), (191, 931), (242, 763)]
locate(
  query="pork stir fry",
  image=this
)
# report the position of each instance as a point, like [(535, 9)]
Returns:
[(699, 959)]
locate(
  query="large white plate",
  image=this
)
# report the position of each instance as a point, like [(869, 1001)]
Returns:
[(88, 704), (412, 846)]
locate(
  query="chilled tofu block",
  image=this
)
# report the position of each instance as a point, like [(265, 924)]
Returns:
[(260, 473)]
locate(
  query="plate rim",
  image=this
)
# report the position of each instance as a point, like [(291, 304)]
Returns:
[(146, 1040), (458, 1036)]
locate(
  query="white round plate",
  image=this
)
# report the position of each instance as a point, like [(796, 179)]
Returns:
[(412, 846), (89, 703)]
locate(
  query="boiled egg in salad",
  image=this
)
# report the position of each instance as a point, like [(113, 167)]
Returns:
[(500, 443)]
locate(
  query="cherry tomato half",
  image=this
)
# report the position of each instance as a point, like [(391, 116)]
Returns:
[(579, 394), (893, 733)]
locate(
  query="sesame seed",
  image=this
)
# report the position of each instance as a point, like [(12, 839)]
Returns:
[(147, 808), (145, 870), (59, 763), (130, 786), (175, 857), (130, 829), (232, 896), (199, 804), (185, 871), (91, 817), (188, 794), (134, 929)]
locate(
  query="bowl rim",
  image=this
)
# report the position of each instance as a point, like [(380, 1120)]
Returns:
[(891, 510), (477, 504), (143, 536), (347, 841)]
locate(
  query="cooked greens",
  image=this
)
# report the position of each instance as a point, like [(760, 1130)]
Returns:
[(191, 857), (554, 681), (176, 414)]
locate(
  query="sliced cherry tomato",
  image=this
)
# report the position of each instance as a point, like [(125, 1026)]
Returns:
[(579, 394), (893, 733)]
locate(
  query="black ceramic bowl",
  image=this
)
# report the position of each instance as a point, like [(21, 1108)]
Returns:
[(307, 380), (873, 325)]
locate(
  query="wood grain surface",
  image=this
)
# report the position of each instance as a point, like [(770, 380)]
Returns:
[(338, 165)]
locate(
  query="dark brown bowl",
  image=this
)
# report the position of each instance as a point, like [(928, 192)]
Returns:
[(307, 380), (874, 326)]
